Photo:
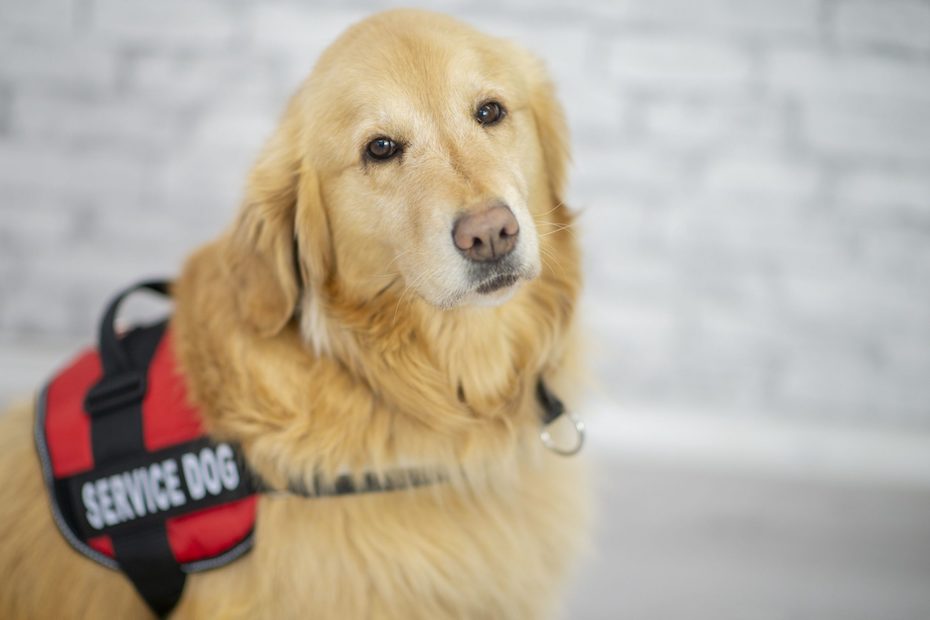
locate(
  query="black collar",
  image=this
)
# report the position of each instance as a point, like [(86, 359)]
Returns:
[(551, 410)]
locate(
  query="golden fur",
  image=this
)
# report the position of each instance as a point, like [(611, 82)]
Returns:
[(375, 370)]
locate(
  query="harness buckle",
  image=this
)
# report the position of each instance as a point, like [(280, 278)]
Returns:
[(114, 392)]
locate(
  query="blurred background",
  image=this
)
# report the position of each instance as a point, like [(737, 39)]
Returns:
[(753, 178)]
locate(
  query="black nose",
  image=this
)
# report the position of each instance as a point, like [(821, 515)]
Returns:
[(486, 235)]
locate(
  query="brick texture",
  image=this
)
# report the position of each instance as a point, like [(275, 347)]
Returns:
[(753, 177)]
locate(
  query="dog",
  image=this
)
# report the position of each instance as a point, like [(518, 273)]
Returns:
[(400, 276)]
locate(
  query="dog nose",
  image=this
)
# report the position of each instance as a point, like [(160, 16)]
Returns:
[(486, 235)]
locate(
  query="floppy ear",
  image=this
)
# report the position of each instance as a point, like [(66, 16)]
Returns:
[(280, 240), (551, 127)]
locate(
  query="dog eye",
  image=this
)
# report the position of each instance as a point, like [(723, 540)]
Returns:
[(382, 149), (490, 113)]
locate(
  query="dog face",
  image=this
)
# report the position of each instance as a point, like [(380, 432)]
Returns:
[(429, 171), (419, 154)]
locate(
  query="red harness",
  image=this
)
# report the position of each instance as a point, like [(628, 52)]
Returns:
[(135, 482), (169, 424)]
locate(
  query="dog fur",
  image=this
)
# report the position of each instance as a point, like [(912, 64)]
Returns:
[(361, 353)]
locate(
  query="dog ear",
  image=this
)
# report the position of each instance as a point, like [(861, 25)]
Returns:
[(279, 242), (313, 237), (551, 126)]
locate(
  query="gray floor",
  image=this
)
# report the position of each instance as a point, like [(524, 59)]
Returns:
[(681, 542)]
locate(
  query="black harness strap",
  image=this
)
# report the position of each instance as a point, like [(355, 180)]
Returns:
[(114, 405)]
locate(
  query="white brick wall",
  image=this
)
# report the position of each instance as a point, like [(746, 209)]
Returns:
[(754, 176), (890, 25)]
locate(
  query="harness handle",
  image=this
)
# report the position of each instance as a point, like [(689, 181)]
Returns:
[(122, 383), (112, 353)]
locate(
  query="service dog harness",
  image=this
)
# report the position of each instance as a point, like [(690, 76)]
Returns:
[(135, 482)]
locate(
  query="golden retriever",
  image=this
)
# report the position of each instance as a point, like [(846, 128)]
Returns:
[(400, 275)]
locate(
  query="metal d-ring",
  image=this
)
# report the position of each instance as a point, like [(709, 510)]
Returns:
[(547, 440)]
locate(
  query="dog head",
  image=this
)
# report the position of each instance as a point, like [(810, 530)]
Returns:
[(419, 154)]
